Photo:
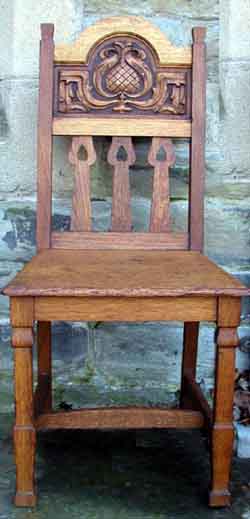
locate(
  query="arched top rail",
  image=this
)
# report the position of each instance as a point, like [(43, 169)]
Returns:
[(167, 53)]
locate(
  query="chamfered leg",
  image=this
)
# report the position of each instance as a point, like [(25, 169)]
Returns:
[(24, 430), (222, 429), (22, 315), (44, 388), (189, 358)]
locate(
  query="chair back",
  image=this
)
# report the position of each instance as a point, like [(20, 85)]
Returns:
[(121, 78)]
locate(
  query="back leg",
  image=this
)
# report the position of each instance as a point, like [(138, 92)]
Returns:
[(189, 359), (44, 400)]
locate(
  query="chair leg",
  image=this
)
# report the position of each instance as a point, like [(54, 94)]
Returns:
[(190, 347), (24, 430), (44, 388), (222, 430)]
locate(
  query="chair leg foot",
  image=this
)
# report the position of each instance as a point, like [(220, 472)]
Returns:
[(219, 498), (25, 499), (25, 444)]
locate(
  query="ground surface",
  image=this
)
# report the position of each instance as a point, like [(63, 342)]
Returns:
[(130, 475)]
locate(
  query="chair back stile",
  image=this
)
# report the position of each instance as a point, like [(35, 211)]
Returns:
[(121, 82), (45, 148)]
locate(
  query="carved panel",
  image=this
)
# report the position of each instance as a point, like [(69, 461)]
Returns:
[(122, 76)]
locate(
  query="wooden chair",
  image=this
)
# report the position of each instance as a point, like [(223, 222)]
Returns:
[(122, 78)]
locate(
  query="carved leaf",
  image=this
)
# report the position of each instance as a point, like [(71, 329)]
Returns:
[(122, 75)]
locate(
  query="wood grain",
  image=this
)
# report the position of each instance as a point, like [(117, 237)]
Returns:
[(119, 241), (229, 309), (197, 173), (42, 395), (81, 205), (121, 210), (167, 53), (24, 431), (44, 367), (21, 337), (22, 311), (125, 309), (222, 432), (196, 396), (121, 418), (114, 273), (24, 445), (22, 317), (23, 371), (126, 126), (189, 359), (44, 146), (160, 207)]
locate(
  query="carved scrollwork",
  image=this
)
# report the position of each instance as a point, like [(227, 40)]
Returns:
[(122, 76)]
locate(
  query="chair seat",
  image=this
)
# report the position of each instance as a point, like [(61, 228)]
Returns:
[(122, 273)]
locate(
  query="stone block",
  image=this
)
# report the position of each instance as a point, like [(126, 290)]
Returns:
[(18, 161), (235, 115), (146, 355), (17, 231), (6, 31), (244, 277), (29, 15), (122, 364), (235, 30), (204, 9), (227, 232), (149, 354), (226, 222)]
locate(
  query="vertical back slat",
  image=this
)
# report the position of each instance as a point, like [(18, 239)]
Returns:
[(82, 155), (121, 155), (161, 157), (196, 185), (44, 158)]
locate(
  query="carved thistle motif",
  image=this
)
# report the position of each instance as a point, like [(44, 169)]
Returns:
[(122, 76)]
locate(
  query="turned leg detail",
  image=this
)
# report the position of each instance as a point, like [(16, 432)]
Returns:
[(24, 431), (44, 389), (222, 430), (189, 358)]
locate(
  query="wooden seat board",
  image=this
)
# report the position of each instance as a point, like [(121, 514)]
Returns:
[(122, 273)]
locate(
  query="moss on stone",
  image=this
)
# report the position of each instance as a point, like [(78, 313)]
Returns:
[(16, 212), (89, 372)]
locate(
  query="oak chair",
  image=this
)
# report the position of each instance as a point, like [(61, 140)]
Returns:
[(122, 78)]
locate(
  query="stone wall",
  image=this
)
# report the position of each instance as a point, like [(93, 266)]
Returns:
[(125, 362)]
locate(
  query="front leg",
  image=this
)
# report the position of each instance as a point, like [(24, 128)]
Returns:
[(222, 429), (24, 430)]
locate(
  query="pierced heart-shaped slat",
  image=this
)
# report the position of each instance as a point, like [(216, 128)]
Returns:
[(121, 155), (161, 157), (82, 156)]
